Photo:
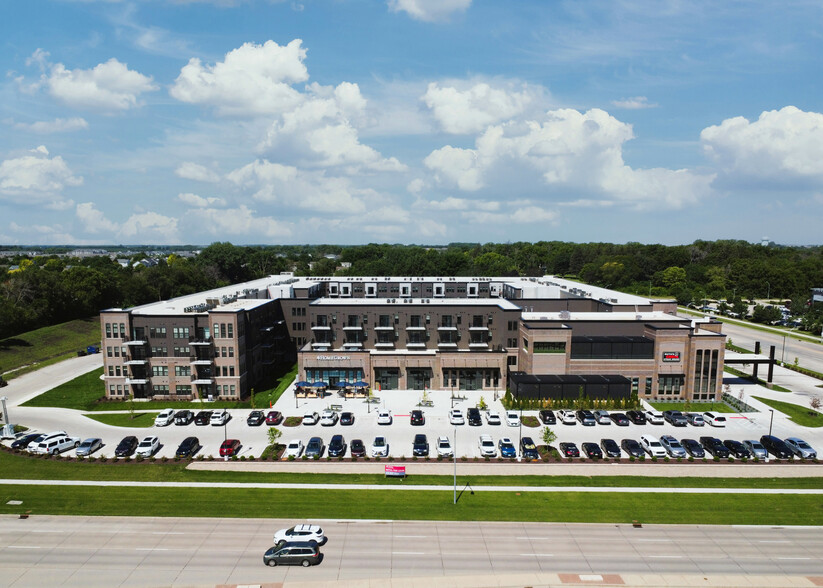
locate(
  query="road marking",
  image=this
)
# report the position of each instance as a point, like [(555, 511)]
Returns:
[(24, 547)]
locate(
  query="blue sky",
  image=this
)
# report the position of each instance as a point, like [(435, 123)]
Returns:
[(410, 121)]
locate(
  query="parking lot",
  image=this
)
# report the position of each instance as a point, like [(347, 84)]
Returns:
[(400, 433)]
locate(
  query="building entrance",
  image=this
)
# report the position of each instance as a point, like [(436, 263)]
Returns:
[(418, 378), (387, 378)]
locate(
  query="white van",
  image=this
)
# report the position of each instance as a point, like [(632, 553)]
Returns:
[(56, 442)]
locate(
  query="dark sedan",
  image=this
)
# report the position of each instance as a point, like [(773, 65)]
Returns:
[(126, 447), (610, 447), (737, 449), (337, 446), (528, 450), (183, 417), (547, 417), (714, 447), (632, 447), (693, 448), (203, 418), (569, 450), (24, 441), (637, 417), (188, 447), (619, 419), (255, 418), (592, 451), (420, 446), (314, 448), (346, 418), (357, 448), (776, 447)]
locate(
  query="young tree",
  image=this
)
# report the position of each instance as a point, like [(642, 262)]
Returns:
[(549, 436), (274, 434)]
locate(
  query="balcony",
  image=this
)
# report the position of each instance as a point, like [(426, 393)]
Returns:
[(384, 328), (415, 328), (352, 345), (478, 328), (320, 346), (200, 361), (203, 381), (411, 345), (137, 381), (136, 362), (135, 342), (353, 328), (447, 345), (200, 341), (384, 345), (445, 328), (478, 345)]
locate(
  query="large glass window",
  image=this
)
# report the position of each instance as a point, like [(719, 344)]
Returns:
[(549, 347)]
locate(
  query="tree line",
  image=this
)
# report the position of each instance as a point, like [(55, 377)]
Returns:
[(47, 288)]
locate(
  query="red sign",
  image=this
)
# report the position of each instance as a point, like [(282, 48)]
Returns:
[(396, 471), (671, 356)]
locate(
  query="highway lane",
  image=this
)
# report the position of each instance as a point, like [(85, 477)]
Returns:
[(114, 551)]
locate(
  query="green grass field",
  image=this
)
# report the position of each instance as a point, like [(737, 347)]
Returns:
[(86, 393), (124, 419), (302, 503), (801, 415), (46, 346), (695, 407)]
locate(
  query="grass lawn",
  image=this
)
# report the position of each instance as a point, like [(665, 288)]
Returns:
[(48, 345), (26, 467), (801, 415), (695, 407), (86, 393), (124, 419), (303, 503)]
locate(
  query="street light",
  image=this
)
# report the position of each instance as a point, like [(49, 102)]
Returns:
[(771, 418), (454, 458), (783, 352), (768, 290)]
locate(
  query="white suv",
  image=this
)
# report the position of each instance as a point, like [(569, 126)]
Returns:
[(56, 442), (301, 533), (219, 418), (652, 446), (487, 448), (148, 447), (384, 417), (654, 418), (444, 447), (456, 417), (380, 447), (328, 418), (164, 418)]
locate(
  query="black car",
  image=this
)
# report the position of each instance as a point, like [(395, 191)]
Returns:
[(126, 447), (188, 447), (586, 418), (346, 418), (675, 418), (473, 417), (337, 446), (693, 448), (776, 447), (619, 419), (315, 448), (610, 447), (737, 449), (183, 417), (203, 418), (547, 417), (23, 442), (528, 450), (592, 451), (632, 447), (256, 418), (358, 449), (569, 450), (420, 447), (417, 417), (714, 447), (636, 416)]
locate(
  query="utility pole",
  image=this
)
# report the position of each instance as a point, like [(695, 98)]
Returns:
[(454, 458)]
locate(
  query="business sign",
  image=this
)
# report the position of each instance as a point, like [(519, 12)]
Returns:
[(671, 356), (393, 471), (333, 357)]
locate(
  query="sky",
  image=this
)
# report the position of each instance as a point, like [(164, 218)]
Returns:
[(410, 121)]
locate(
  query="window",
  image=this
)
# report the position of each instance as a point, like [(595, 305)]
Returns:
[(216, 330), (186, 390), (180, 333), (160, 370), (160, 389), (525, 343), (115, 332), (111, 370), (512, 325), (182, 352), (549, 347), (108, 330), (182, 370), (635, 385), (122, 329), (111, 390), (648, 388), (108, 351), (231, 370), (223, 352), (159, 351), (511, 342), (384, 320), (116, 352), (322, 320), (231, 390), (414, 321), (231, 331), (231, 351), (446, 320), (157, 332)]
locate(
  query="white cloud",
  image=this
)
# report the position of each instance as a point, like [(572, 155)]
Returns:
[(636, 103), (252, 79), (472, 109), (429, 10), (93, 220), (196, 172), (109, 86), (198, 201), (241, 222), (781, 146), (35, 178), (58, 125), (564, 151), (150, 227)]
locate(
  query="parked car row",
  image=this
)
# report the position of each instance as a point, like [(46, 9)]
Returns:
[(184, 417), (669, 446), (589, 418)]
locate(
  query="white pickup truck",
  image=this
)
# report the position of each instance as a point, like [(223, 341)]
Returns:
[(56, 442)]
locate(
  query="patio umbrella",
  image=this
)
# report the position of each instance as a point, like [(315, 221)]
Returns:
[(361, 384), (341, 385), (319, 385), (303, 384)]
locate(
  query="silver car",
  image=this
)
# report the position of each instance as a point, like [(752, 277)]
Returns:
[(672, 446), (88, 447), (800, 448), (756, 448)]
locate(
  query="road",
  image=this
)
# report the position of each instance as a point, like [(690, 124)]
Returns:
[(113, 551)]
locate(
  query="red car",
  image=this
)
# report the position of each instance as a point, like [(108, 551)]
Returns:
[(274, 417), (230, 447)]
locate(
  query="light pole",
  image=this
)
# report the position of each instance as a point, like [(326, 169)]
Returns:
[(783, 352), (768, 291), (520, 433), (771, 418), (454, 458)]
